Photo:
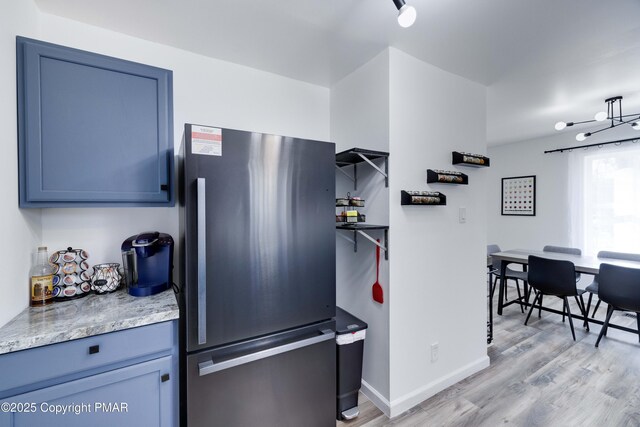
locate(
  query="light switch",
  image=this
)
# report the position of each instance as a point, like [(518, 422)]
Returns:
[(462, 215)]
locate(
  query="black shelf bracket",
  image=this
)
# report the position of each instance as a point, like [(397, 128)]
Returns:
[(359, 155), (353, 178), (360, 230)]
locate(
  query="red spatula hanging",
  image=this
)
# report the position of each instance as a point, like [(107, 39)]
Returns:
[(378, 295)]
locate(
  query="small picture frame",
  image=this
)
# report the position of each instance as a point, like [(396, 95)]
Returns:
[(519, 196)]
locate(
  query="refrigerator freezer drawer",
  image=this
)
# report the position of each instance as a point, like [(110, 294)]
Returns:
[(208, 367), (290, 385)]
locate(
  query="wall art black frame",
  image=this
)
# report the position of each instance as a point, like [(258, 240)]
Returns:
[(518, 196)]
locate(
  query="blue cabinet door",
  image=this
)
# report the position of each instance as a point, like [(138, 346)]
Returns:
[(92, 130), (139, 395)]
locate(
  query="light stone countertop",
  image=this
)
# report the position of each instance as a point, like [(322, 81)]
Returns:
[(85, 317)]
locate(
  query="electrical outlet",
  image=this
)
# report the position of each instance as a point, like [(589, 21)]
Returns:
[(435, 347), (462, 215)]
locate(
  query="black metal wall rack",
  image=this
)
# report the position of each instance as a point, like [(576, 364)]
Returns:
[(355, 156), (359, 228)]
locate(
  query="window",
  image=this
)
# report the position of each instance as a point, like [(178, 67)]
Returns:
[(605, 196)]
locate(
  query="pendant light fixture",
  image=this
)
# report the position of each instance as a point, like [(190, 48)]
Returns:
[(616, 119), (406, 14)]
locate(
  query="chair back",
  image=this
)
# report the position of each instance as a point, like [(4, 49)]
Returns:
[(619, 255), (620, 286), (562, 250), (495, 263), (552, 277), (492, 249)]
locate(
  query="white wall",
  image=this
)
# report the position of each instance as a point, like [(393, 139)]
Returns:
[(360, 118), (437, 276), (399, 104), (20, 230), (550, 225), (206, 91)]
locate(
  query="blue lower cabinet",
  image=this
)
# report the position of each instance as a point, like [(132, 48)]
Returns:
[(124, 378), (139, 395)]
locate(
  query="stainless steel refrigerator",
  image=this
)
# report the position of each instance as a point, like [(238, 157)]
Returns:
[(257, 291)]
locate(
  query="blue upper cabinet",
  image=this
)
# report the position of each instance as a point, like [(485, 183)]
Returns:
[(92, 130)]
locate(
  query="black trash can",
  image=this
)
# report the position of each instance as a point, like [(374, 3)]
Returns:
[(350, 334)]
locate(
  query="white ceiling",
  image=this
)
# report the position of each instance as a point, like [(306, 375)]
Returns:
[(542, 60)]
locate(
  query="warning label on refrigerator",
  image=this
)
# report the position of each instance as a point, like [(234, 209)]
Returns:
[(206, 141)]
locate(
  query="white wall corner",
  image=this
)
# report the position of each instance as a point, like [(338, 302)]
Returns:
[(376, 398), (409, 400), (424, 104), (359, 111)]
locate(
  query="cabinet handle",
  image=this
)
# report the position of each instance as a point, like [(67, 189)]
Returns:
[(164, 187), (94, 349), (164, 378)]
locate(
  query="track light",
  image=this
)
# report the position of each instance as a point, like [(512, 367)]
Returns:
[(406, 14), (616, 118)]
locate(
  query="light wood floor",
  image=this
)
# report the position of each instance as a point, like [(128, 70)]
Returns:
[(538, 377)]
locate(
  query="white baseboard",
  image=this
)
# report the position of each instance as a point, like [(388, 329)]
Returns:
[(409, 400), (375, 397)]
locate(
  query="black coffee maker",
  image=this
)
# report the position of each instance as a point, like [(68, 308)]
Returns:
[(148, 263)]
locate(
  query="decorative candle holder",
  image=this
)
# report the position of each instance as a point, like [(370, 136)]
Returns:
[(106, 278)]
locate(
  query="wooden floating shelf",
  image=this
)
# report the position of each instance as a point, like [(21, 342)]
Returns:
[(468, 159), (422, 198), (446, 177)]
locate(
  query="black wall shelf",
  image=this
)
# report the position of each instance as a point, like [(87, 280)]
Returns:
[(422, 198), (355, 156), (468, 159), (361, 229), (446, 177)]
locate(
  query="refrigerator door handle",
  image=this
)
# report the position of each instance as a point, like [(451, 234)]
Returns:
[(209, 367), (202, 261)]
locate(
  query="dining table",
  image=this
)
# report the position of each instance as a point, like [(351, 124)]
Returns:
[(585, 264)]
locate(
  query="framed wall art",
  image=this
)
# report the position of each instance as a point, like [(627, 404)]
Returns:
[(519, 196)]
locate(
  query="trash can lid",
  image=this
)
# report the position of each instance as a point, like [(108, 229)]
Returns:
[(348, 323)]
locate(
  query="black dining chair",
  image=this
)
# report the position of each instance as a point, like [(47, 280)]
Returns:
[(562, 250), (494, 274), (556, 278), (592, 288), (619, 287)]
